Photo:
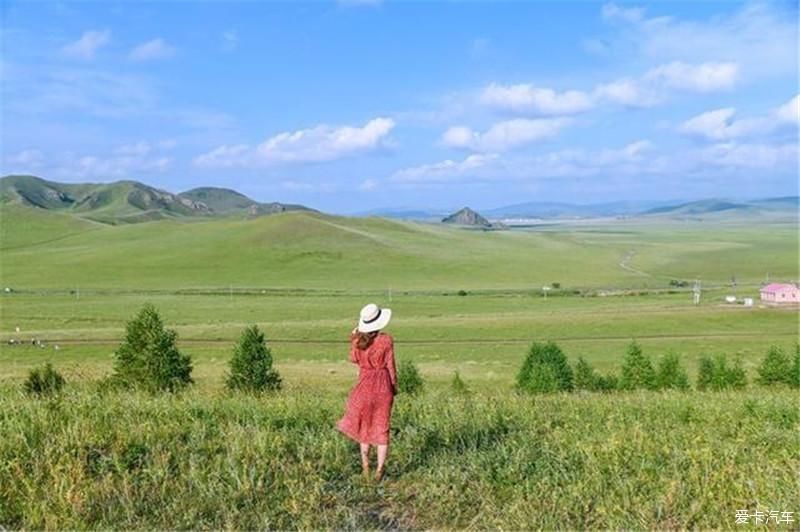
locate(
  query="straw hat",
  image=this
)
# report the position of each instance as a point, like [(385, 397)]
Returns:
[(373, 318)]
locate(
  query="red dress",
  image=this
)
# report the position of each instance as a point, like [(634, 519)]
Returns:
[(369, 405)]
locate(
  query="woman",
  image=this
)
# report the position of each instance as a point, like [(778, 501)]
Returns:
[(369, 405)]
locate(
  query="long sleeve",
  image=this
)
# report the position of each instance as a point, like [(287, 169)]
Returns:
[(390, 365)]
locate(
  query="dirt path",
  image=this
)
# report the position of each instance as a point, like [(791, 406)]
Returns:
[(624, 264)]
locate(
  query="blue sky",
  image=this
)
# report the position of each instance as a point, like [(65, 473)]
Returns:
[(358, 105)]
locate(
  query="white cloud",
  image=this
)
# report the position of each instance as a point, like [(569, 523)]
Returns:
[(448, 170), (25, 160), (635, 161), (526, 99), (225, 157), (115, 167), (612, 11), (712, 124), (152, 49), (761, 37), (705, 77), (230, 40), (790, 111), (368, 184), (627, 92), (749, 156), (325, 143), (319, 144), (87, 45), (651, 88), (504, 136), (721, 124)]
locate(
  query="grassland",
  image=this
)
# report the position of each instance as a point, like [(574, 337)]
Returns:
[(487, 460), (492, 459)]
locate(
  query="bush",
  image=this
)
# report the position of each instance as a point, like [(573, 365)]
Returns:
[(586, 378), (458, 385), (149, 358), (462, 292), (251, 364), (545, 370), (775, 368), (43, 381), (715, 374), (409, 379), (637, 370), (607, 383), (794, 379), (670, 374)]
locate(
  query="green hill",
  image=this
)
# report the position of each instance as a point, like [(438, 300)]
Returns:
[(118, 202), (129, 201), (308, 250), (719, 208), (226, 201)]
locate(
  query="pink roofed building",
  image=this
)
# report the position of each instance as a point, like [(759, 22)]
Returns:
[(780, 293)]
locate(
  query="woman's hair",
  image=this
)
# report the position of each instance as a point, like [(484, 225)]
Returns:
[(364, 340)]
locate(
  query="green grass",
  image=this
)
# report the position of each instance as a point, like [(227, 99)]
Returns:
[(316, 251), (437, 331), (487, 460)]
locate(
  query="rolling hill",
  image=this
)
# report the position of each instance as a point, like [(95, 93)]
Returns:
[(720, 207), (128, 201), (227, 201), (55, 249)]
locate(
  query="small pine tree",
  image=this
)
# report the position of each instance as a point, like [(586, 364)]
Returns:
[(794, 378), (775, 368), (736, 376), (148, 357), (43, 381), (637, 370), (251, 364), (409, 379), (670, 374), (715, 374), (545, 369), (585, 376), (458, 384)]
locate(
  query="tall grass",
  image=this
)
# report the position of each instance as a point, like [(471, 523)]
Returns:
[(492, 459)]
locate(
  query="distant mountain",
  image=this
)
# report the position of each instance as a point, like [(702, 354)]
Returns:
[(699, 207), (644, 208), (122, 201), (721, 207), (544, 209), (468, 218), (226, 201)]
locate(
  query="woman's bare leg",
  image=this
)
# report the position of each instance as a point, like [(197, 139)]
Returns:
[(364, 458), (383, 451)]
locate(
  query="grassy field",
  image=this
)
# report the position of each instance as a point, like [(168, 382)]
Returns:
[(487, 460), (492, 459), (43, 250)]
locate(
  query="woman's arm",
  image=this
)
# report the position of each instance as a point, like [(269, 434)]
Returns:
[(353, 349), (390, 365)]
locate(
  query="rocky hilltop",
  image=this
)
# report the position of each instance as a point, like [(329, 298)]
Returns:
[(469, 218)]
